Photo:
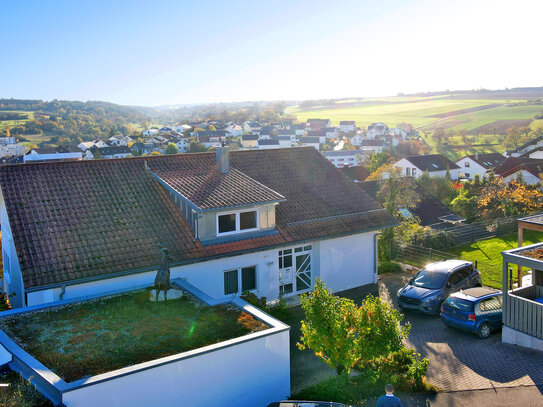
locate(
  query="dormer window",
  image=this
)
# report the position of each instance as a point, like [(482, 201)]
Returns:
[(237, 222)]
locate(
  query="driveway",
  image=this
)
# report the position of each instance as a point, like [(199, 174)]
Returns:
[(458, 361)]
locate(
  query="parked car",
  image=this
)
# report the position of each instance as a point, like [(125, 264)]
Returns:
[(432, 285), (475, 310)]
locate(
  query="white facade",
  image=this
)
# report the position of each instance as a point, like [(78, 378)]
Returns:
[(12, 150), (410, 170), (356, 140), (34, 156), (315, 145), (536, 154), (396, 131), (527, 176), (470, 168), (4, 141), (234, 130), (347, 128)]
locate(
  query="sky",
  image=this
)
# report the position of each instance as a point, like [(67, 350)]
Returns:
[(160, 52)]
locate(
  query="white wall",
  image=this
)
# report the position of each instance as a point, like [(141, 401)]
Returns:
[(529, 178), (474, 168), (348, 261), (252, 374), (403, 164)]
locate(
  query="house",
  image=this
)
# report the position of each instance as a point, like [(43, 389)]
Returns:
[(108, 152), (284, 141), (4, 141), (266, 221), (268, 143), (267, 131), (522, 313), (376, 130), (526, 148), (12, 150), (536, 153), (182, 144), (513, 168), (429, 210), (373, 145), (86, 145), (119, 140), (330, 132), (61, 153), (319, 134), (396, 131), (150, 132), (234, 130), (347, 126), (252, 127), (299, 129), (344, 158), (310, 142), (478, 164), (289, 133), (249, 140), (142, 148), (317, 124), (211, 138), (436, 165)]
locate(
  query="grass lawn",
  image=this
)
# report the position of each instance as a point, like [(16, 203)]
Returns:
[(93, 337), (20, 393), (488, 254)]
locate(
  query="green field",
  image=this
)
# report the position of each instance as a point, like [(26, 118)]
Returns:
[(419, 112), (13, 123), (488, 254)]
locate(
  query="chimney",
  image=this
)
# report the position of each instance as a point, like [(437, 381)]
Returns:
[(476, 156), (223, 159)]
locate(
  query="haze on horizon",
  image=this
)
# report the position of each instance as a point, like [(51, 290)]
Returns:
[(170, 52)]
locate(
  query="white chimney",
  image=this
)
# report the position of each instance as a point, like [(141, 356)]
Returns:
[(223, 159)]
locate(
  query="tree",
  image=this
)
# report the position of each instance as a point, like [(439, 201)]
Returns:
[(211, 128), (512, 140), (155, 153), (171, 149), (440, 187), (345, 336), (376, 160), (499, 199), (465, 205), (195, 147)]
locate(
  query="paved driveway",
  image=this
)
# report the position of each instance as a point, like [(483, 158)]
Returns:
[(458, 361)]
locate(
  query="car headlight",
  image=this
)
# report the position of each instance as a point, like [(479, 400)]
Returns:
[(429, 301)]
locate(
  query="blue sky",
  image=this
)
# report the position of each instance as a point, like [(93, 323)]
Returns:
[(169, 52)]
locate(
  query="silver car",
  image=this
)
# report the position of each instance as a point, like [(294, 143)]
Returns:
[(427, 289)]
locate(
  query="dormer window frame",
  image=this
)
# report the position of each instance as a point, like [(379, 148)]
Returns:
[(238, 229)]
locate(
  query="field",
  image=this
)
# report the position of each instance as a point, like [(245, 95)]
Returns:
[(12, 123), (488, 254)]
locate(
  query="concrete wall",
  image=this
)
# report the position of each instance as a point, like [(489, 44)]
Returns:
[(347, 262), (514, 337), (252, 374)]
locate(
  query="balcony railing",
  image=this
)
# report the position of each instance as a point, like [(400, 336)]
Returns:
[(522, 313)]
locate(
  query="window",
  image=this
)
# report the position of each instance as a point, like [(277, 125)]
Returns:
[(466, 164), (244, 277), (467, 174), (236, 222), (492, 304), (7, 266), (413, 171), (408, 172), (455, 278), (285, 258)]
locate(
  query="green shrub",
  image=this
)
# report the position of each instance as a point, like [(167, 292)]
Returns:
[(389, 267), (278, 309)]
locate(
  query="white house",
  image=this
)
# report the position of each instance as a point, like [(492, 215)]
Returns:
[(513, 168), (249, 141), (345, 158), (330, 132), (266, 144), (252, 127), (436, 165), (356, 140), (310, 142), (527, 147), (478, 164), (4, 141), (108, 152), (376, 130), (373, 145), (230, 222), (299, 129), (347, 126), (396, 131), (234, 130), (119, 140), (182, 144), (12, 150), (63, 153), (284, 141), (289, 133), (150, 132)]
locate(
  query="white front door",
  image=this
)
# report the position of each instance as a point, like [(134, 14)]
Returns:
[(295, 270)]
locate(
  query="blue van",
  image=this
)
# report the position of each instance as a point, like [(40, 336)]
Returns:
[(476, 310)]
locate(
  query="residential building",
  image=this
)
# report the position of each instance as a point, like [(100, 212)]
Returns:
[(396, 131), (299, 129), (319, 134), (252, 127), (249, 140), (62, 153), (436, 165), (284, 141), (149, 133), (526, 147), (373, 145), (234, 130), (376, 130), (317, 124), (535, 153), (478, 164), (310, 142), (345, 158), (266, 221), (330, 132), (108, 152), (289, 133), (12, 150), (268, 143), (347, 126), (527, 169), (4, 141)]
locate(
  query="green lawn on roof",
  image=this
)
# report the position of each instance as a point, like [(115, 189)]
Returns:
[(93, 337), (488, 254)]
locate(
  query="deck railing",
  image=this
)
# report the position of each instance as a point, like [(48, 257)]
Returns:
[(522, 313)]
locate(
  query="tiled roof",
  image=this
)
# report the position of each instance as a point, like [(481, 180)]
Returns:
[(249, 137), (268, 142), (207, 188), (511, 164), (487, 160), (356, 173), (431, 162), (90, 219), (347, 123), (311, 140)]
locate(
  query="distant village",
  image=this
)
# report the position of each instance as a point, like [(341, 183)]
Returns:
[(345, 146)]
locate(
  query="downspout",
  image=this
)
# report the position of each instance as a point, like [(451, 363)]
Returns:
[(62, 292), (376, 256), (196, 226)]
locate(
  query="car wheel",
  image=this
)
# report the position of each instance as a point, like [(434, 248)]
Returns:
[(484, 331)]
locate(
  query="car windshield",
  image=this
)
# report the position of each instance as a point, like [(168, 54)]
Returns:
[(459, 304), (428, 278)]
